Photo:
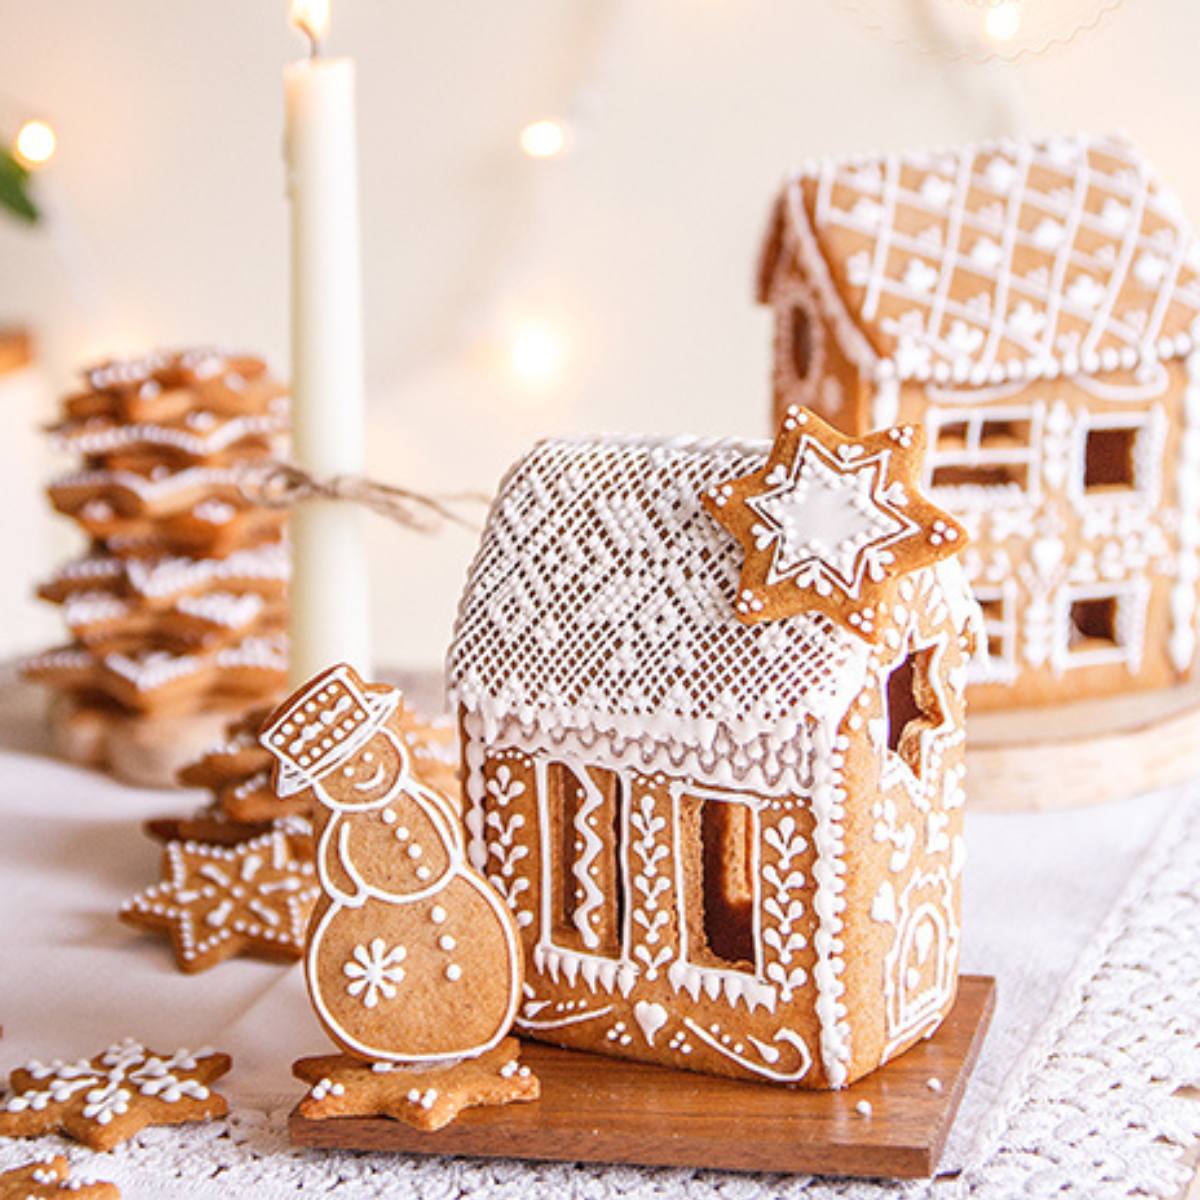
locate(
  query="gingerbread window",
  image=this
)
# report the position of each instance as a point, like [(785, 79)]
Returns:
[(996, 661), (583, 806), (911, 706), (1100, 624), (800, 330), (993, 449), (1110, 456), (720, 881)]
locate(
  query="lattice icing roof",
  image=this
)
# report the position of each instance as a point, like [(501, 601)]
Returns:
[(601, 603), (1014, 259)]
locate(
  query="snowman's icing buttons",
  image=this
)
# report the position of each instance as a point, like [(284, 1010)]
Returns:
[(397, 885)]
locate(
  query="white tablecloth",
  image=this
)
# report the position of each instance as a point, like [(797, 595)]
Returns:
[(1098, 1017)]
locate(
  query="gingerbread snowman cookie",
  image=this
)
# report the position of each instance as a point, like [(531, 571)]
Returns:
[(411, 958)]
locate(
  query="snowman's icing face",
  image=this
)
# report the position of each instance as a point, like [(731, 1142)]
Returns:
[(370, 776)]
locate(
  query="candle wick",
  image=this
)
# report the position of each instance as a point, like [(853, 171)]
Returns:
[(314, 44)]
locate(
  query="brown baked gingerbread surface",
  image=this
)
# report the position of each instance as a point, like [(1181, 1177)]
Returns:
[(427, 1099), (50, 1177), (105, 1100)]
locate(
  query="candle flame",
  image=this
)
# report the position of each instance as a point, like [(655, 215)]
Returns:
[(311, 17)]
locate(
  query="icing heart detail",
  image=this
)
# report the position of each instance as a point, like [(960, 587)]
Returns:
[(1047, 554), (651, 1018)]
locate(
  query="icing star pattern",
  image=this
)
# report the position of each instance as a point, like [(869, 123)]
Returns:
[(50, 1177), (346, 1087), (219, 901), (831, 522), (102, 1101)]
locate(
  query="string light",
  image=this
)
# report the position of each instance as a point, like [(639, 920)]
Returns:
[(536, 353), (1002, 22), (35, 143), (546, 138)]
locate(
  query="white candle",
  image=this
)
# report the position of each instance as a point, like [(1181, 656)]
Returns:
[(330, 617)]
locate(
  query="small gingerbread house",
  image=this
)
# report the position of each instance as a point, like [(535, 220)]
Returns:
[(731, 847), (1034, 304)]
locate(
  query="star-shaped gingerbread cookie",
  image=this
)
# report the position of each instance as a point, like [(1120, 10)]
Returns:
[(831, 522), (50, 1177), (217, 901), (427, 1099), (102, 1101)]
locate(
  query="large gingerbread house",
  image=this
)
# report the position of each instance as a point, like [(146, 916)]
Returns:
[(1034, 304), (729, 847)]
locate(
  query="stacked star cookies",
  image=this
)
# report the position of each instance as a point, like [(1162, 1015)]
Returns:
[(177, 607), (237, 875), (236, 772)]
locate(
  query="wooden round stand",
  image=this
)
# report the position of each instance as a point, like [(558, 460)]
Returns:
[(1082, 753), (146, 752)]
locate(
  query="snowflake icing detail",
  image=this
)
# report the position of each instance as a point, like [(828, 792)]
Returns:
[(123, 1068), (374, 971), (831, 519)]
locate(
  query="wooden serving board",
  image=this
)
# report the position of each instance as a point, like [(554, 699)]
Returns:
[(609, 1110), (1066, 756)]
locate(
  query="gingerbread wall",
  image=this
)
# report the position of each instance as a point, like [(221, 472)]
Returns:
[(659, 979), (1070, 490), (904, 844), (669, 921), (1076, 553)]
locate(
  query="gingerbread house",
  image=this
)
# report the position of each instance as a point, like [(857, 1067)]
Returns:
[(729, 847), (1034, 304)]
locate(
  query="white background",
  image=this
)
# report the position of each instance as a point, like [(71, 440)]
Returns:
[(636, 249)]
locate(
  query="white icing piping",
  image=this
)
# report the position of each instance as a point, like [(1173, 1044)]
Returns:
[(828, 802), (149, 488), (1182, 642), (1040, 362), (163, 577), (829, 299), (768, 775), (104, 438)]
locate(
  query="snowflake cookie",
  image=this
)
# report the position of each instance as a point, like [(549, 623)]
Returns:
[(426, 1099), (104, 1100), (217, 901), (830, 523)]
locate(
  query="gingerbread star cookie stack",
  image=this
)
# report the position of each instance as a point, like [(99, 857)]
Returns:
[(413, 962), (219, 901), (236, 772), (176, 611)]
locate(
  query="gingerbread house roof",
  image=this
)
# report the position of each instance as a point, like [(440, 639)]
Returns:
[(1009, 260), (600, 609)]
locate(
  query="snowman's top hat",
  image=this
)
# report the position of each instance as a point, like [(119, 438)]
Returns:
[(323, 725)]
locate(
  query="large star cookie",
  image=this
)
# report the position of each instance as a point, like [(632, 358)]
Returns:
[(427, 1099), (50, 1177), (217, 901), (831, 522), (104, 1100)]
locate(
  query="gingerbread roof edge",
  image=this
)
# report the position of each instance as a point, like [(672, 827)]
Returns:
[(599, 611), (1007, 260)]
